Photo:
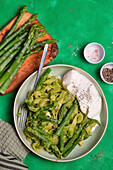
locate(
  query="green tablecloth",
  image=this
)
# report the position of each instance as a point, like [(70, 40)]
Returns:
[(74, 23)]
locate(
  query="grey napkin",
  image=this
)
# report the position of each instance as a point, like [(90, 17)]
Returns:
[(11, 146)]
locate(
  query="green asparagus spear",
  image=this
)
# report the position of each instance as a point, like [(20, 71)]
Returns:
[(15, 46), (61, 141), (7, 54), (40, 34), (40, 27), (37, 134), (48, 118), (7, 40), (3, 71), (62, 112), (17, 21), (63, 123), (32, 52), (36, 34), (75, 136), (76, 142), (42, 78), (41, 131), (48, 41), (95, 121), (11, 71), (6, 79), (5, 62), (21, 36), (9, 80), (13, 42), (12, 55), (34, 27), (80, 136)]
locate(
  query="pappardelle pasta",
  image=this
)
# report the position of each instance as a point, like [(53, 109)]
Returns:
[(55, 121)]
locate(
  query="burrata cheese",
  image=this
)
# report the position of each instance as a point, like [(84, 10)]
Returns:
[(85, 91)]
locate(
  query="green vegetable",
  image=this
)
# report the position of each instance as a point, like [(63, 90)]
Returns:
[(75, 143), (75, 136), (48, 118), (34, 28), (6, 79), (17, 21), (62, 112), (77, 119), (37, 134), (32, 52), (13, 44), (4, 64), (19, 38), (49, 41), (11, 72), (36, 34), (43, 77), (7, 57), (13, 35), (61, 141), (79, 138), (41, 131), (94, 121), (10, 54), (63, 123), (3, 71), (6, 84)]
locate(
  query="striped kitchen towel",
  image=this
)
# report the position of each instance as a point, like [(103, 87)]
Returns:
[(12, 151), (8, 162)]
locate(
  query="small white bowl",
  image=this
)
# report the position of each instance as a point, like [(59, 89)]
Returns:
[(94, 53), (107, 65)]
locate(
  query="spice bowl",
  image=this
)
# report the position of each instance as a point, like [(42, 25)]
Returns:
[(94, 53), (106, 73)]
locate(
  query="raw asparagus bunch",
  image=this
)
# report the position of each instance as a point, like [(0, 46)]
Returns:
[(11, 72), (14, 34), (8, 56), (17, 46)]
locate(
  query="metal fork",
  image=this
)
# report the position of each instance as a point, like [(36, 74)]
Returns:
[(23, 111)]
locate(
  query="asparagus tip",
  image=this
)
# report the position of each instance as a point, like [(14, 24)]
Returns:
[(36, 24), (55, 41), (36, 15), (23, 9)]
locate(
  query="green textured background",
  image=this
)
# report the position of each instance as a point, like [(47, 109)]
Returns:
[(74, 23)]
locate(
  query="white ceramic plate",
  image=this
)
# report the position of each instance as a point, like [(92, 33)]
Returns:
[(90, 143)]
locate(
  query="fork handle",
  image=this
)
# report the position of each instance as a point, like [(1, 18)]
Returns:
[(41, 65)]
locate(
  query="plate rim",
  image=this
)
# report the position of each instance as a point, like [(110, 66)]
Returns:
[(38, 154)]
